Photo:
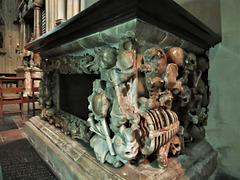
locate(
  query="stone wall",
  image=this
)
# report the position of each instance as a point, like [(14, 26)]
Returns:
[(9, 59), (223, 125), (89, 3), (207, 11)]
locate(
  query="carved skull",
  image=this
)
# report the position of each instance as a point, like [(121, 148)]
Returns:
[(126, 54), (202, 64), (193, 116), (185, 96), (175, 145), (190, 62), (125, 145), (50, 114), (107, 57), (98, 102), (155, 62)]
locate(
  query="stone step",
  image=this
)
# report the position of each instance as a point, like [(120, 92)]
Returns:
[(73, 159)]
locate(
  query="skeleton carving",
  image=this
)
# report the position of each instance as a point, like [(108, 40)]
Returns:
[(148, 129), (191, 103), (138, 107)]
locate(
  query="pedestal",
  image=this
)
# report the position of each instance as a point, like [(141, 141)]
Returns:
[(72, 159), (28, 73)]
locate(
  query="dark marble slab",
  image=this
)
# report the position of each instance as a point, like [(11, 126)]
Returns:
[(164, 14)]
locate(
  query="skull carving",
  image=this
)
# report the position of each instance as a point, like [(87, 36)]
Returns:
[(126, 145), (106, 57), (193, 117), (190, 62), (203, 64), (185, 96), (175, 145)]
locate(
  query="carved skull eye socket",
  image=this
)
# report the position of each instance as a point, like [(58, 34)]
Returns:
[(193, 112), (127, 153), (176, 145), (192, 61), (160, 53), (127, 45), (185, 99)]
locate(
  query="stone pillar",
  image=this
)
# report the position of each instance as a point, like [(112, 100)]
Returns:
[(37, 28), (61, 15), (73, 7), (51, 14), (37, 21), (25, 72), (69, 8), (82, 5), (55, 9), (47, 4), (76, 7), (23, 37)]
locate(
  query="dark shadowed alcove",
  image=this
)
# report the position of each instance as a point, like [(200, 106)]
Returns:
[(74, 92)]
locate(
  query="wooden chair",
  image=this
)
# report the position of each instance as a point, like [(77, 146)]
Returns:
[(33, 97), (11, 95)]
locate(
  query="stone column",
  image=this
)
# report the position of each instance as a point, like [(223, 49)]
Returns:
[(37, 21), (73, 7), (82, 5), (61, 15), (47, 4), (69, 8), (23, 37), (37, 28), (51, 14), (76, 7), (55, 12)]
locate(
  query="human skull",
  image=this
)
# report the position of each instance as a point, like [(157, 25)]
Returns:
[(185, 96), (125, 144), (175, 145), (106, 57), (202, 64), (193, 115), (48, 103), (156, 59), (190, 62)]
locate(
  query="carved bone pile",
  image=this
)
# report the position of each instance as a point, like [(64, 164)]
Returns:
[(131, 105), (135, 106)]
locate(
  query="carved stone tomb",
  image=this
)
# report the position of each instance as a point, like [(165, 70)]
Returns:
[(132, 86)]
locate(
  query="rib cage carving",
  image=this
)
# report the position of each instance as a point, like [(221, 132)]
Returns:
[(159, 126)]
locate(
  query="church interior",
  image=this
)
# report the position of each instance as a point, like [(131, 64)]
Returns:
[(107, 89)]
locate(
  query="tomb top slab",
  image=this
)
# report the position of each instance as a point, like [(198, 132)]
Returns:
[(163, 14)]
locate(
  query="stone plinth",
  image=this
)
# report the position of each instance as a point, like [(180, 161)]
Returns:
[(28, 73), (72, 159)]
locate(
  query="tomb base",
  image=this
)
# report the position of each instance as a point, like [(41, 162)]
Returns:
[(73, 159)]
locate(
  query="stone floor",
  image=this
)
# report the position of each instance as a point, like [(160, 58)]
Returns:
[(16, 134), (12, 136)]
